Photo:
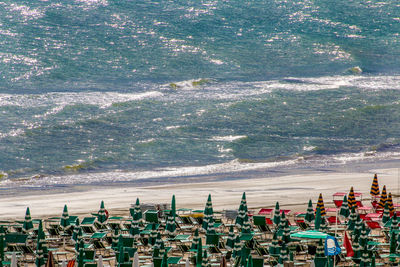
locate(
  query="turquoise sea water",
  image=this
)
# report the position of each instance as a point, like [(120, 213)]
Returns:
[(97, 91)]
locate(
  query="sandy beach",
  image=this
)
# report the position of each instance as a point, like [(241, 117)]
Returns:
[(291, 191)]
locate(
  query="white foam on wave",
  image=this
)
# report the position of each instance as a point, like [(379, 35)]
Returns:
[(101, 99), (228, 138), (234, 166)]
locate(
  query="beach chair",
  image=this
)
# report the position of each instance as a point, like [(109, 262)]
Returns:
[(332, 220), (260, 222), (151, 216), (88, 225), (213, 241)]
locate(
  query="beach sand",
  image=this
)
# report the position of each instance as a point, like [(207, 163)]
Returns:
[(293, 192)]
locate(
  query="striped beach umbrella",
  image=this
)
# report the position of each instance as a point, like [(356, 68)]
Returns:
[(241, 212), (153, 234), (230, 241), (363, 236), (101, 215), (137, 211), (310, 215), (115, 238), (210, 229), (344, 209), (205, 262), (356, 249), (80, 243), (395, 223), (365, 257), (159, 245), (196, 239), (324, 225), (375, 187), (320, 205), (40, 252), (237, 248), (75, 233), (317, 221), (79, 239), (283, 255), (352, 219), (42, 236), (286, 233), (28, 225), (277, 215), (274, 248), (64, 221), (199, 255), (351, 200), (246, 229), (390, 203), (170, 228), (282, 221), (386, 213), (134, 231), (393, 243), (320, 252), (383, 198), (208, 213), (358, 226)]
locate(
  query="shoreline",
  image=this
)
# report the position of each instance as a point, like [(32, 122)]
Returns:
[(292, 191)]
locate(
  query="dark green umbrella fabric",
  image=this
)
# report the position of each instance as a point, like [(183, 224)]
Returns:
[(199, 255), (241, 212), (317, 223), (205, 262), (277, 215), (208, 214), (28, 225), (230, 242), (274, 248), (310, 216), (171, 224), (344, 209), (64, 222), (101, 215), (196, 239), (237, 247)]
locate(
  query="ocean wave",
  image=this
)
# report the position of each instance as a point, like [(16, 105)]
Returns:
[(101, 99), (75, 177)]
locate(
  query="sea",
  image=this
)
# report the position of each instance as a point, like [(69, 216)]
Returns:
[(128, 93)]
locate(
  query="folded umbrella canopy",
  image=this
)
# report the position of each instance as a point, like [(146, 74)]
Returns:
[(242, 212), (320, 205), (374, 187)]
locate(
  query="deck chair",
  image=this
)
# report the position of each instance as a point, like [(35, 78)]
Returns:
[(261, 224), (151, 216), (213, 241), (262, 251), (87, 225), (89, 255), (17, 242)]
